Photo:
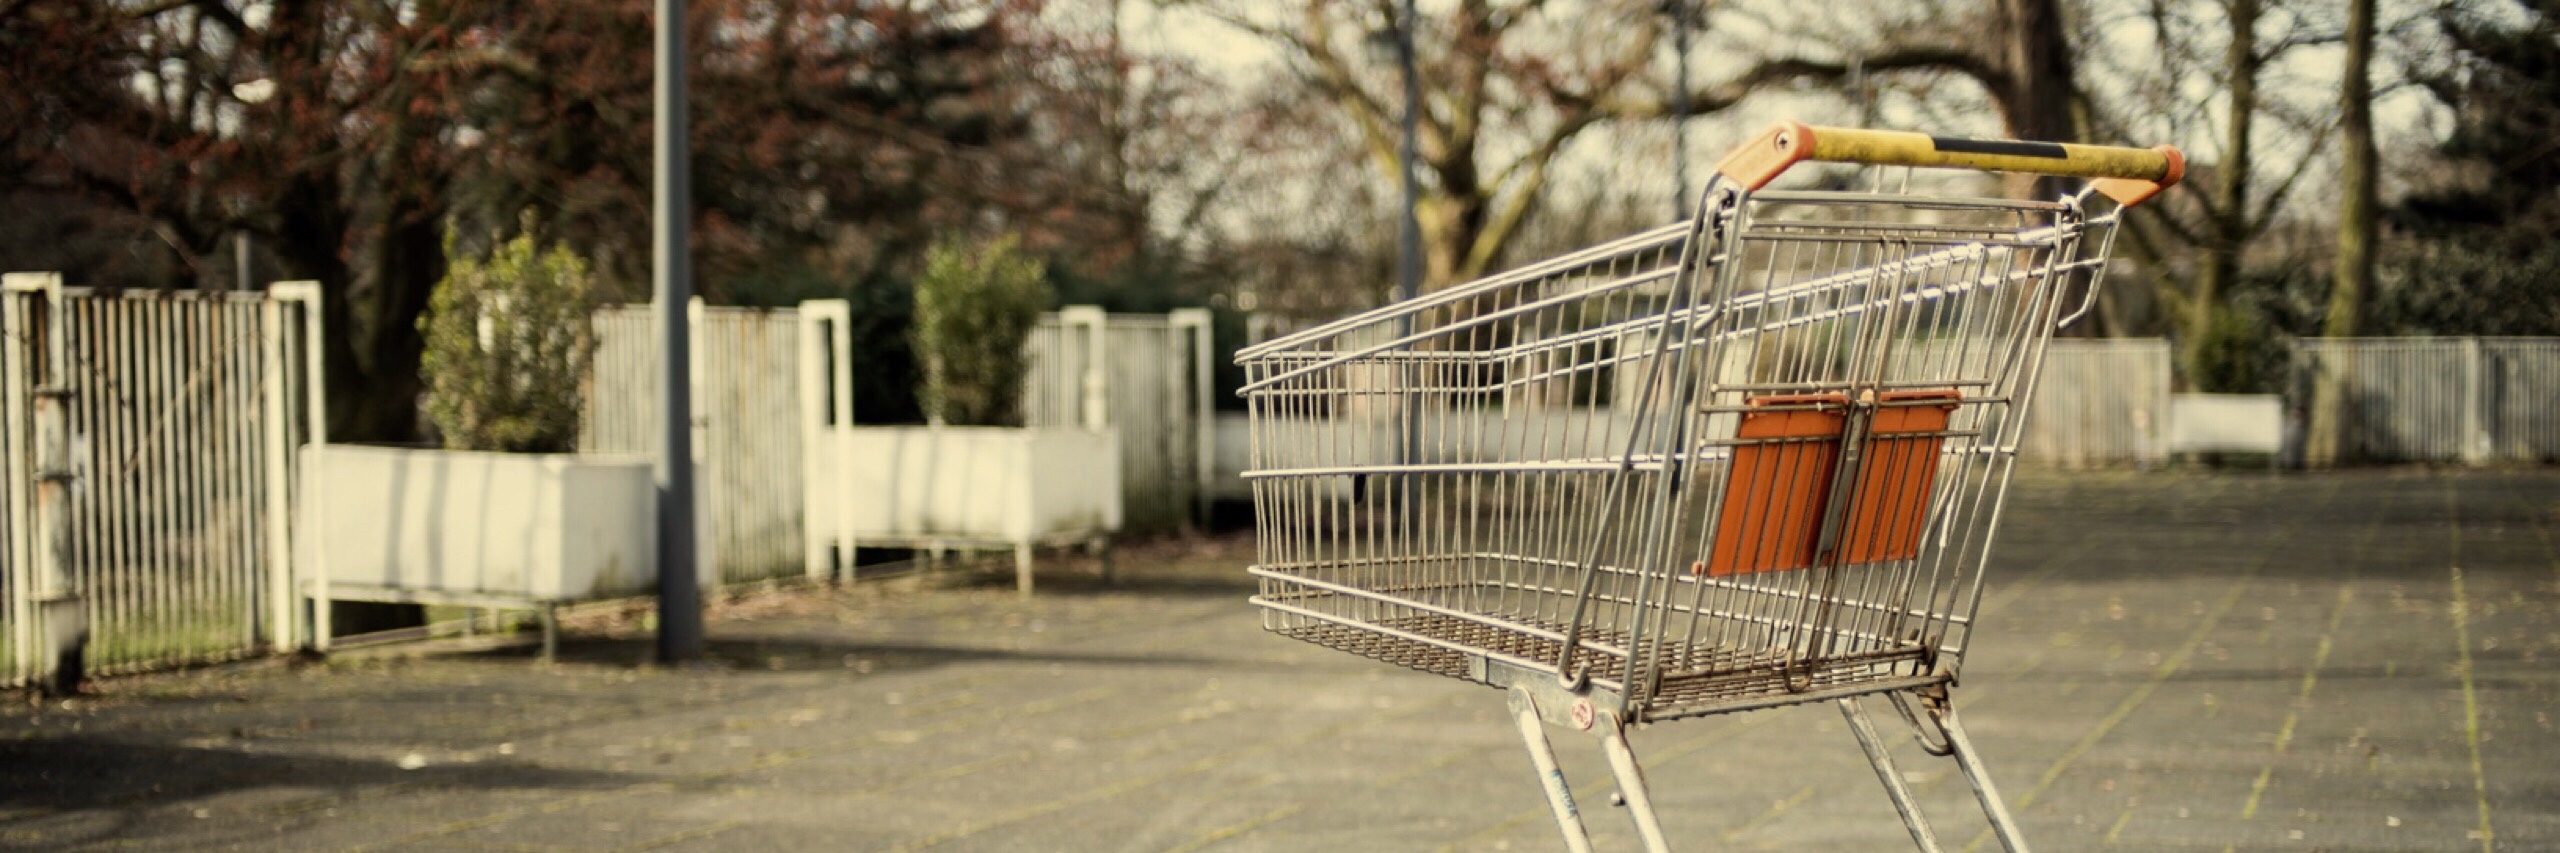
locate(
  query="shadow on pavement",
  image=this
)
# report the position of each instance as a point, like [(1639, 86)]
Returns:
[(67, 792), (785, 653), (1230, 580)]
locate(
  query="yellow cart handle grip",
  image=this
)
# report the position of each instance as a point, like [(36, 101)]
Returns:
[(2128, 175)]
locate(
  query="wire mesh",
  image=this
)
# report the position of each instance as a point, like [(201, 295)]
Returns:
[(1754, 455)]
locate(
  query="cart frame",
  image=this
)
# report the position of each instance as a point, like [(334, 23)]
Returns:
[(1749, 460)]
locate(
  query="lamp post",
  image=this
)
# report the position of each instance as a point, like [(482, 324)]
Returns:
[(679, 598), (1395, 44), (1398, 37), (1678, 10), (1409, 242)]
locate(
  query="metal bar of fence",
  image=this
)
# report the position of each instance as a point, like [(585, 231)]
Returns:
[(745, 375)]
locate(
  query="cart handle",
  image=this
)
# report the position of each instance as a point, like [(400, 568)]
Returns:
[(2128, 175)]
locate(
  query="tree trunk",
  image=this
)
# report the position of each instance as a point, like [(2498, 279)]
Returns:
[(2227, 217), (2035, 98), (407, 263), (2351, 283)]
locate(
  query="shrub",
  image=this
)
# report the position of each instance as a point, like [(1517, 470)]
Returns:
[(975, 307), (508, 342)]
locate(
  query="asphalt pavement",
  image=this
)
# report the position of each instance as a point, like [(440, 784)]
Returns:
[(2166, 661)]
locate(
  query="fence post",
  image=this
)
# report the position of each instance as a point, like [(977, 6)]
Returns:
[(49, 618), (22, 618), (66, 611), (2475, 436), (1204, 417), (826, 406), (707, 571), (277, 442), (2164, 367), (315, 401), (1096, 384)]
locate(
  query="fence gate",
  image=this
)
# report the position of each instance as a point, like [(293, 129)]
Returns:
[(180, 413), (1148, 376)]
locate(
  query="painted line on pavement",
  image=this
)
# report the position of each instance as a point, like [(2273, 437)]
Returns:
[(2461, 607), (2177, 660)]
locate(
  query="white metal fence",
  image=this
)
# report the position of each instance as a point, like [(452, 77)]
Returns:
[(1065, 386), (748, 414), (2100, 402), (2473, 400), (183, 409), (1154, 386), (756, 406)]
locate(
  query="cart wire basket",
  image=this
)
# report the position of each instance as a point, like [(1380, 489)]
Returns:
[(1749, 460)]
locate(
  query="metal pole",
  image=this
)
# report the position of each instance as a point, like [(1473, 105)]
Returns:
[(1680, 111), (1409, 239), (679, 599)]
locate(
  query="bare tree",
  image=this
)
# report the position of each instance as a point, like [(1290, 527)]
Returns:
[(2201, 74), (1509, 87), (2351, 282)]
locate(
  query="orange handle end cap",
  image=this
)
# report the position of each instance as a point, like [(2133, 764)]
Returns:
[(1756, 163), (2128, 192)]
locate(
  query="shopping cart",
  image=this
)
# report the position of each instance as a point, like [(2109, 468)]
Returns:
[(1750, 460)]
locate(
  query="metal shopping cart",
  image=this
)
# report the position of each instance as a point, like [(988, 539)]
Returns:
[(1750, 460)]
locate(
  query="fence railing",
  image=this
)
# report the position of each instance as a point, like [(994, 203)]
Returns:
[(2471, 400)]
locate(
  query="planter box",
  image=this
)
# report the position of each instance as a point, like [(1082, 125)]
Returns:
[(508, 527), (980, 484), (969, 486)]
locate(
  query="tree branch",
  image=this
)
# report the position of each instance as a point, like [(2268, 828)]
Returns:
[(2275, 197), (209, 9), (1724, 95), (1518, 201)]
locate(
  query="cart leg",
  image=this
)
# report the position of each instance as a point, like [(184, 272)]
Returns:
[(1524, 712), (1882, 760), (1100, 549), (1022, 568), (1970, 760), (1622, 762)]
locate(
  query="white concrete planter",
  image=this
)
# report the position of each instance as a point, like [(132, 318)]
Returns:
[(493, 529), (969, 486)]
